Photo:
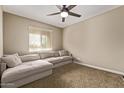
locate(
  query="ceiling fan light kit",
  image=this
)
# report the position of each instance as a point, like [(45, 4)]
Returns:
[(65, 12)]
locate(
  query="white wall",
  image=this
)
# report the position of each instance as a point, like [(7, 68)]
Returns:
[(98, 41), (16, 34), (1, 31)]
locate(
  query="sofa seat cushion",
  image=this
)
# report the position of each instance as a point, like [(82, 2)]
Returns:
[(24, 70), (55, 60), (65, 58)]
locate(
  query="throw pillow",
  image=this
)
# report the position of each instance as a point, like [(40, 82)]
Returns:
[(63, 53), (12, 60)]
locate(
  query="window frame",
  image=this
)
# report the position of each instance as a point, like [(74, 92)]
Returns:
[(40, 29)]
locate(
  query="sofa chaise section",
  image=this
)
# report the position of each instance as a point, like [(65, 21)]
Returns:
[(14, 77)]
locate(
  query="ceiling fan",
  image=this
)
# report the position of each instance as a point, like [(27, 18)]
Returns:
[(65, 11)]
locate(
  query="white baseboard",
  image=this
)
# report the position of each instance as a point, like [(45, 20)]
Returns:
[(101, 68)]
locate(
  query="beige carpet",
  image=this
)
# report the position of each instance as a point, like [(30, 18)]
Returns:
[(78, 76)]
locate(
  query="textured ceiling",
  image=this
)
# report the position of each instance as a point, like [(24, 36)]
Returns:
[(39, 12)]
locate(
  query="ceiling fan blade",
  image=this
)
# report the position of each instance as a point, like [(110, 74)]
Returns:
[(74, 14), (59, 7), (63, 19), (71, 6), (54, 14)]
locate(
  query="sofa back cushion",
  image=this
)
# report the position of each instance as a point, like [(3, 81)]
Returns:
[(56, 53), (12, 60), (63, 53), (30, 57), (46, 55)]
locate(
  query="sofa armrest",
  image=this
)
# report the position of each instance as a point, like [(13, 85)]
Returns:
[(3, 67)]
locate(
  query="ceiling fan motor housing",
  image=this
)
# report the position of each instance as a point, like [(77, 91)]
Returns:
[(65, 11)]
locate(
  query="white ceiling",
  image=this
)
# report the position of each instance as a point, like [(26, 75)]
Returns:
[(39, 12)]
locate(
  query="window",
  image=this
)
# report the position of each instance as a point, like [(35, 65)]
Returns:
[(39, 39)]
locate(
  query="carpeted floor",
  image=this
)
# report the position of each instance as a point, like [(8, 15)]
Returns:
[(78, 76)]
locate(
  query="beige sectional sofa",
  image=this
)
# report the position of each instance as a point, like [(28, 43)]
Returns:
[(33, 67)]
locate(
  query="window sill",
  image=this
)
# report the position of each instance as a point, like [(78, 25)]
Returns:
[(41, 50)]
